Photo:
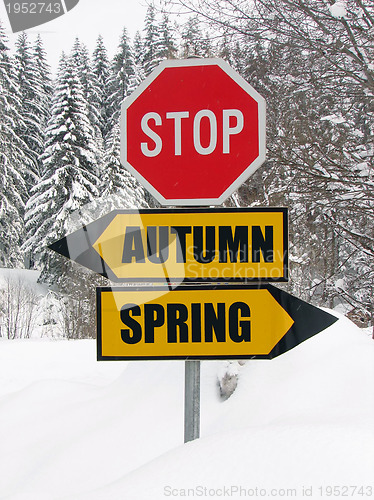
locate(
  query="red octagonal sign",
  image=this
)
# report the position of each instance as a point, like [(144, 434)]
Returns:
[(193, 132)]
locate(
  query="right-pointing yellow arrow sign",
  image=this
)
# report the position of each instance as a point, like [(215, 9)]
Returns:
[(202, 322)]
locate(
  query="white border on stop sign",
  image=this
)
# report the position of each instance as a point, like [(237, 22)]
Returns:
[(172, 63)]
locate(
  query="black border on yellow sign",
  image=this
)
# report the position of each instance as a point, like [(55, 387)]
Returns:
[(308, 320)]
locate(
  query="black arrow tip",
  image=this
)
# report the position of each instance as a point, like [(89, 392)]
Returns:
[(61, 247), (308, 321)]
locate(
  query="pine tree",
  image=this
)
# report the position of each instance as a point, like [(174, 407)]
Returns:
[(32, 106), (123, 68), (154, 48), (206, 46), (168, 49), (193, 40), (121, 190), (81, 59), (14, 164), (225, 51), (138, 48), (134, 83), (70, 173), (43, 76), (101, 71), (238, 57), (91, 92)]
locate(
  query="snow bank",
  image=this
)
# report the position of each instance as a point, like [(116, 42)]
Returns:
[(77, 429), (23, 363), (28, 277)]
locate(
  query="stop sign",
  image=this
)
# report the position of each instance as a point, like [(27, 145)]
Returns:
[(193, 132)]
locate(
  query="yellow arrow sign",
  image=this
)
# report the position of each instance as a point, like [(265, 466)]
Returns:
[(195, 245), (179, 245), (151, 323), (202, 322)]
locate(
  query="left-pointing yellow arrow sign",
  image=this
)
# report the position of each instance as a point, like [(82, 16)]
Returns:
[(184, 245)]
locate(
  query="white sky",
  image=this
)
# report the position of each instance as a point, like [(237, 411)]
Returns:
[(87, 20)]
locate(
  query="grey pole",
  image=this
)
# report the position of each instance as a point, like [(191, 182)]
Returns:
[(192, 401)]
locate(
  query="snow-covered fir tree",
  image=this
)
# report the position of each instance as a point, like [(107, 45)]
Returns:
[(154, 48), (225, 50), (70, 177), (43, 75), (123, 68), (193, 41), (121, 189), (138, 48), (91, 92), (15, 164), (168, 48), (101, 72), (33, 110), (81, 59)]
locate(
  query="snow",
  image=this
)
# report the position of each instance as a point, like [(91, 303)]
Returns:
[(363, 168), (25, 276), (339, 9), (23, 363), (340, 284), (73, 428), (334, 118)]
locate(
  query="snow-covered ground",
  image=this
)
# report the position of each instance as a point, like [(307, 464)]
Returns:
[(73, 428)]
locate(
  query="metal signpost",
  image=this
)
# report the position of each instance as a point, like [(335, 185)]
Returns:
[(192, 133), (191, 400)]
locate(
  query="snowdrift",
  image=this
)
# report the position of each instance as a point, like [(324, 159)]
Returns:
[(72, 428)]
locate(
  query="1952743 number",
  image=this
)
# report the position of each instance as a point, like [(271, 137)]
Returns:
[(34, 7), (346, 491)]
